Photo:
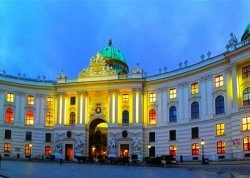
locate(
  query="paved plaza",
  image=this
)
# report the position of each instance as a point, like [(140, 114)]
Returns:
[(26, 169)]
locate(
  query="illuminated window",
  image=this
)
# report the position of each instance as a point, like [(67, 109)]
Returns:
[(172, 93), (72, 100), (220, 129), (172, 150), (172, 114), (246, 97), (245, 123), (221, 147), (125, 117), (152, 116), (50, 101), (9, 115), (195, 149), (72, 118), (49, 120), (219, 105), (125, 98), (246, 143), (47, 150), (27, 149), (194, 88), (30, 100), (29, 118), (195, 113), (7, 147), (152, 97), (10, 97), (246, 72), (219, 81)]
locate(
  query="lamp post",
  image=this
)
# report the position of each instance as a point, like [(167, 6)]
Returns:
[(149, 146), (30, 145), (202, 148)]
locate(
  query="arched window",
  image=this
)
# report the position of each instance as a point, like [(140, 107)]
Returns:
[(172, 114), (195, 149), (172, 150), (49, 120), (246, 97), (72, 118), (219, 105), (152, 116), (246, 143), (29, 117), (125, 117), (195, 113), (9, 115), (221, 147)]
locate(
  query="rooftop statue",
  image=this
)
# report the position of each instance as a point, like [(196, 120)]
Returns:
[(232, 42)]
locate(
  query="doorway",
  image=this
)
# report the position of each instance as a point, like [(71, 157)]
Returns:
[(98, 134), (68, 152), (124, 150)]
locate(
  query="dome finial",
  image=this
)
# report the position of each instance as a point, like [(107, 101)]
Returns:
[(110, 42)]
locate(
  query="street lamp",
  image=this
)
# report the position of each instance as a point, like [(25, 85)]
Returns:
[(202, 148), (30, 146), (149, 146)]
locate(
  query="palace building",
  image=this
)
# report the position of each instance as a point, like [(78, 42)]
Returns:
[(108, 109)]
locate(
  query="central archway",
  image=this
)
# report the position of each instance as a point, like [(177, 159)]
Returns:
[(98, 136)]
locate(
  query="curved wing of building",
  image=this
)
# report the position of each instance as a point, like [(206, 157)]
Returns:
[(109, 111)]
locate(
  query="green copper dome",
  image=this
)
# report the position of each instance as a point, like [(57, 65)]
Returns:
[(112, 52), (246, 34), (114, 57)]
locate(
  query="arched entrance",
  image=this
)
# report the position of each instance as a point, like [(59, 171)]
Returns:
[(98, 134)]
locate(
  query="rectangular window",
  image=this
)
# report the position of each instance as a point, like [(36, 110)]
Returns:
[(246, 72), (10, 97), (151, 136), (172, 135), (47, 150), (152, 151), (220, 129), (7, 134), (7, 148), (246, 123), (72, 100), (195, 132), (28, 136), (172, 93), (195, 149), (219, 81), (47, 137), (49, 101), (125, 98), (152, 97), (221, 147), (31, 100), (194, 88)]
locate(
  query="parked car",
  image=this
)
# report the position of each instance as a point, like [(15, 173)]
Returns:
[(56, 156)]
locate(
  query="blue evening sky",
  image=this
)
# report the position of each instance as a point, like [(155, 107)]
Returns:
[(43, 37)]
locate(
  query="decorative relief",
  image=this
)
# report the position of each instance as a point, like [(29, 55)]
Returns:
[(97, 67)]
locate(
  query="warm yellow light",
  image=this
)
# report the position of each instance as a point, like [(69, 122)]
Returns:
[(202, 142), (149, 146)]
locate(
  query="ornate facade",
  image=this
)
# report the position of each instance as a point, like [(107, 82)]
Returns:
[(110, 111)]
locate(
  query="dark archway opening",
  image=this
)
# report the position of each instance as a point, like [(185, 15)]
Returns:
[(98, 134)]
